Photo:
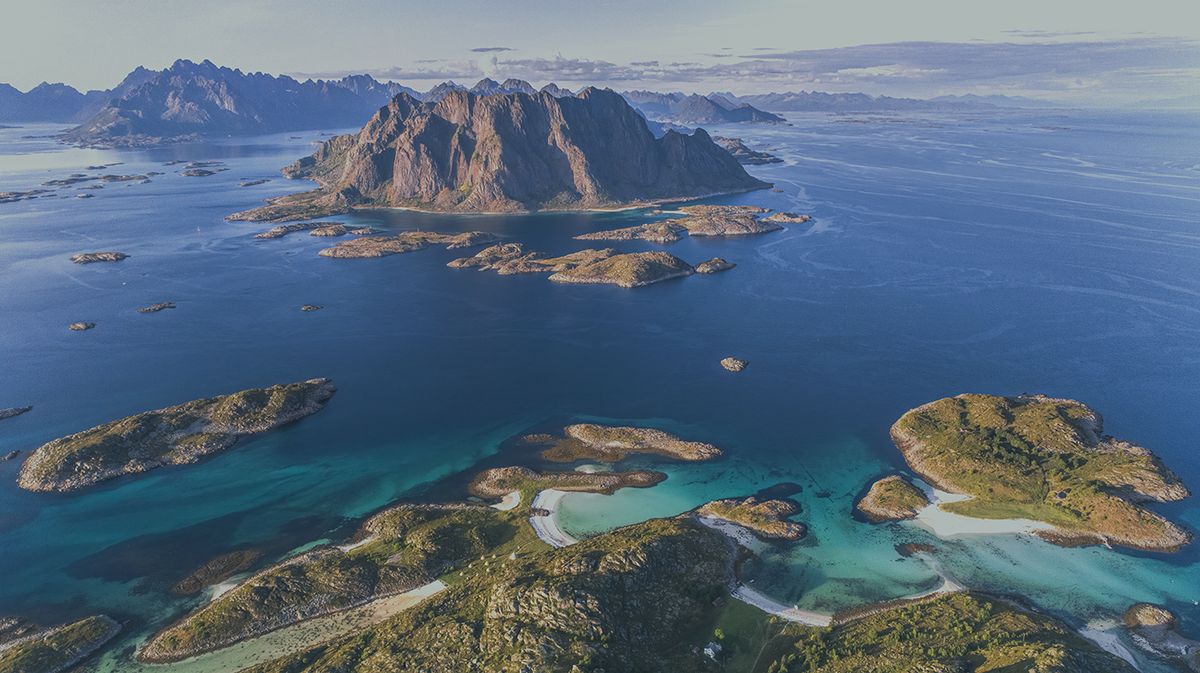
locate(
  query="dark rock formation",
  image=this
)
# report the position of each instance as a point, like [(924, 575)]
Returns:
[(13, 411), (155, 308), (508, 153), (745, 155)]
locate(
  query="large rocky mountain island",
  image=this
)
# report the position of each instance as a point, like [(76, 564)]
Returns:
[(508, 152)]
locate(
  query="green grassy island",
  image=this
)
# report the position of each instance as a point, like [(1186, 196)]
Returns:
[(176, 435), (57, 649), (891, 499), (1045, 459)]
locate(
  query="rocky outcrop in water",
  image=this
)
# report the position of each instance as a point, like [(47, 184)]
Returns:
[(14, 411), (176, 435), (508, 153), (733, 364), (93, 257), (1155, 629), (714, 265), (745, 155), (634, 269)]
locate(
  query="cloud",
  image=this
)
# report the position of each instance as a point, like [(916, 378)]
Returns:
[(1125, 69), (486, 50)]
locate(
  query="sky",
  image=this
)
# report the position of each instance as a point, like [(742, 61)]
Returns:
[(1070, 50)]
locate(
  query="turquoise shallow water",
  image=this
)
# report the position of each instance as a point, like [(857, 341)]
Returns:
[(1055, 252)]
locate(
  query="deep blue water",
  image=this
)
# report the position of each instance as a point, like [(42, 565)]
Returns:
[(1054, 252)]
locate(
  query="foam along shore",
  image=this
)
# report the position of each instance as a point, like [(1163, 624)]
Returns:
[(299, 636), (508, 502), (948, 524), (547, 526)]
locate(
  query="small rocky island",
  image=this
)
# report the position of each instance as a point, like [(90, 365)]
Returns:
[(767, 519), (714, 265), (634, 269), (745, 155), (177, 435), (58, 649), (93, 257), (1045, 459), (733, 364), (409, 241), (892, 498), (14, 411), (81, 326), (155, 308), (611, 444), (1155, 629), (702, 220), (507, 152)]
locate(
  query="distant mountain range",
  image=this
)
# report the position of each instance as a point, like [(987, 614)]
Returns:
[(189, 99), (680, 108), (508, 152)]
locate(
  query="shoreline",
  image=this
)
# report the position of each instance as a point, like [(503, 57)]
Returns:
[(1106, 635), (947, 525), (295, 637), (547, 528), (508, 502)]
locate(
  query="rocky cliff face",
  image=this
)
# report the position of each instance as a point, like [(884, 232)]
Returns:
[(202, 98), (512, 153)]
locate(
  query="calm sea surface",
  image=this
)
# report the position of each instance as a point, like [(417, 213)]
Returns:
[(1008, 252)]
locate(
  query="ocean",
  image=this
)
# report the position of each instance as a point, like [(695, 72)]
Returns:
[(995, 252)]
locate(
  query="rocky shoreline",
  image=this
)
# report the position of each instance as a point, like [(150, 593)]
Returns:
[(611, 444)]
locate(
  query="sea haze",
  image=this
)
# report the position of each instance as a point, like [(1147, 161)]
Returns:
[(1000, 252)]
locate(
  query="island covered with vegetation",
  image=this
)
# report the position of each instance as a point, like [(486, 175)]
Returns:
[(1045, 459)]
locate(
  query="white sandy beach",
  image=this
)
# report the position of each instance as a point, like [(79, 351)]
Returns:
[(547, 527), (769, 605), (1106, 634), (508, 502), (948, 524)]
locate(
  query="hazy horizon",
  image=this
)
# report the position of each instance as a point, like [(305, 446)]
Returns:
[(1070, 51)]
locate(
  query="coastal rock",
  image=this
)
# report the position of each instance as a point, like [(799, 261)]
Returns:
[(733, 364), (500, 481), (726, 221), (81, 326), (745, 155), (9, 456), (490, 258), (508, 153), (58, 649), (13, 197), (197, 173), (309, 308), (767, 519), (253, 183), (1154, 629), (155, 308), (787, 218), (93, 257), (14, 411), (611, 444), (1044, 459), (892, 498), (628, 270), (176, 435)]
